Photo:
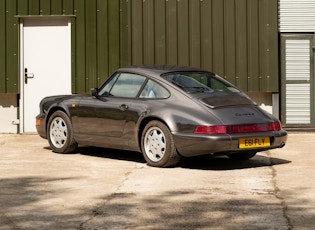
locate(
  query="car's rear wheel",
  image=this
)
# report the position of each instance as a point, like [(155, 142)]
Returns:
[(158, 145), (60, 133), (241, 155)]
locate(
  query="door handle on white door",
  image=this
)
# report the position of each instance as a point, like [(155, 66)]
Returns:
[(27, 75)]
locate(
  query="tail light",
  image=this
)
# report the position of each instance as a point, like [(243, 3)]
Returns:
[(211, 130), (230, 129)]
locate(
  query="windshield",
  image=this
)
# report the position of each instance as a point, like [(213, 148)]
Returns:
[(198, 82)]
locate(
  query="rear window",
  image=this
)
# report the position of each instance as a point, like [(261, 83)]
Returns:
[(198, 82)]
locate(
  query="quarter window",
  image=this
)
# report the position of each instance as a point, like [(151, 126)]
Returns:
[(154, 90)]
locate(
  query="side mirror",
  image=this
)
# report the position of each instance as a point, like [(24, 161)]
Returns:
[(94, 92)]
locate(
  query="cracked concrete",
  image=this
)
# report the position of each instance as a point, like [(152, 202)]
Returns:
[(97, 211), (109, 189), (277, 191), (295, 182)]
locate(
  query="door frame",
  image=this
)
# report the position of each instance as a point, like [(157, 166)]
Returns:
[(21, 100), (283, 38)]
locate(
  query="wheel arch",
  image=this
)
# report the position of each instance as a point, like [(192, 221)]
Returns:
[(161, 154), (52, 110), (143, 123)]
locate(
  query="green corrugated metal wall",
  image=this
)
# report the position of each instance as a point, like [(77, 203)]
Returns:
[(100, 41), (99, 38), (238, 39), (8, 47)]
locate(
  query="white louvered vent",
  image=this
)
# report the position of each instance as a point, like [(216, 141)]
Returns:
[(298, 104), (297, 16), (297, 58)]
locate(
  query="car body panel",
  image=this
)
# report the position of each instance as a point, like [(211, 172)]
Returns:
[(194, 145), (119, 116)]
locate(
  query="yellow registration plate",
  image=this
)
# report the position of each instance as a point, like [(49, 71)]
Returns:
[(254, 142)]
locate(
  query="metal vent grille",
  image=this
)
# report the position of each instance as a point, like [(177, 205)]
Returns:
[(298, 104), (297, 16), (298, 109)]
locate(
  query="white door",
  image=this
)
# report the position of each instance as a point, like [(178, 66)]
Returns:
[(45, 64)]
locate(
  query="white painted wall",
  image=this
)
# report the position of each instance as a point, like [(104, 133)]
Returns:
[(8, 113), (267, 101)]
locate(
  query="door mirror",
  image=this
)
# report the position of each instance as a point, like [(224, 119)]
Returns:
[(94, 92)]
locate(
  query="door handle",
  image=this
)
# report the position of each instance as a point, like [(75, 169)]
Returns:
[(123, 107), (27, 75)]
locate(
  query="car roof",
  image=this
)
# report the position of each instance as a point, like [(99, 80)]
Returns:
[(158, 69)]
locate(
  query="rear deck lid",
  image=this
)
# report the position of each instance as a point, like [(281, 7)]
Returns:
[(235, 108), (226, 99)]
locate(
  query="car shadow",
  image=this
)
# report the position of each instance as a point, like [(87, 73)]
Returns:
[(111, 154), (209, 162), (205, 162)]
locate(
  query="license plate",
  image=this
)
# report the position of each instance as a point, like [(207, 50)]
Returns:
[(254, 142)]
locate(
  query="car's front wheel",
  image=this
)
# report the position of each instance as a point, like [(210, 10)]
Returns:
[(60, 134), (158, 145)]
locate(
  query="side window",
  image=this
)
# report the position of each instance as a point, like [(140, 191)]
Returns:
[(127, 85), (105, 90), (154, 90)]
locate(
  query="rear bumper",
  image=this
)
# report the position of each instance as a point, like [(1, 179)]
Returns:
[(194, 145)]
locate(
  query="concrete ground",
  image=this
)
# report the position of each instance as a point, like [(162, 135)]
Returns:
[(109, 189)]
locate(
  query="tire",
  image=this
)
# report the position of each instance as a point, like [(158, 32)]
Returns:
[(158, 146), (241, 155), (60, 133)]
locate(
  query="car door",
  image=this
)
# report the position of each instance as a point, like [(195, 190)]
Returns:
[(102, 116), (107, 114)]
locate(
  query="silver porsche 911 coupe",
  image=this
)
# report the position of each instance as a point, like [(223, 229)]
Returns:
[(165, 112)]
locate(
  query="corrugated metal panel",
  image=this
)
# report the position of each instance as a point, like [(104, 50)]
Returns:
[(253, 46), (230, 41), (237, 39), (268, 46), (148, 32), (297, 16), (2, 47), (207, 34), (234, 38), (56, 7), (99, 38), (297, 60), (45, 7), (218, 38), (160, 32), (194, 33), (91, 41), (182, 27), (297, 77), (241, 41), (298, 109), (11, 57), (79, 69)]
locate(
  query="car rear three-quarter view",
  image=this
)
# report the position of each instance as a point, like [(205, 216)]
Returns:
[(165, 112)]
